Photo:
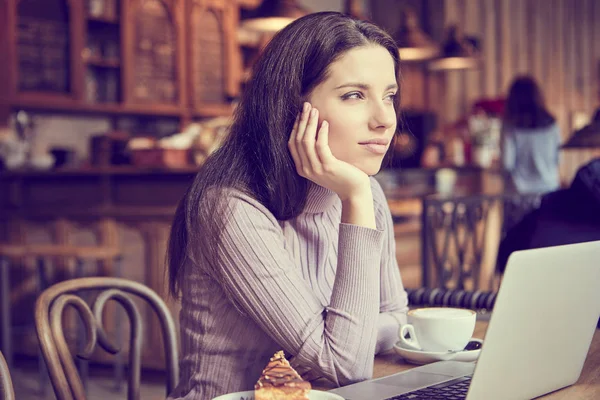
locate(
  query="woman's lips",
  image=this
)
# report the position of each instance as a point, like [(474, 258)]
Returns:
[(375, 148)]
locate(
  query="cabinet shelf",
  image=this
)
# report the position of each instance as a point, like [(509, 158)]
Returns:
[(213, 110), (69, 106), (103, 63), (75, 107), (102, 20)]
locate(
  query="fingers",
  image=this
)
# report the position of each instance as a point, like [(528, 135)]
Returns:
[(309, 150), (301, 137), (302, 141), (303, 121), (322, 146), (292, 144), (308, 142), (295, 142)]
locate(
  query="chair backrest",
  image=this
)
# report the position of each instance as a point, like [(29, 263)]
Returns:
[(454, 236), (6, 387), (476, 300), (48, 322)]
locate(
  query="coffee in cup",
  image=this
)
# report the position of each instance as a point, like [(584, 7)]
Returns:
[(438, 329)]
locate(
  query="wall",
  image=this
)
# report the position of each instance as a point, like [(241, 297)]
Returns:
[(73, 132), (556, 41), (330, 5), (323, 5)]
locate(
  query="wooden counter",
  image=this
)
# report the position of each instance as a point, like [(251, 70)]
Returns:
[(116, 192)]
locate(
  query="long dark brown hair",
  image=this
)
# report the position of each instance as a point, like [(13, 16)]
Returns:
[(525, 106), (255, 157)]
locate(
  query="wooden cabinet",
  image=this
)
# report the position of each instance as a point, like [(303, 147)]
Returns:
[(102, 54), (153, 38), (177, 58), (213, 61), (43, 41)]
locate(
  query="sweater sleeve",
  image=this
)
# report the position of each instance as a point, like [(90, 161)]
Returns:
[(262, 279), (393, 298)]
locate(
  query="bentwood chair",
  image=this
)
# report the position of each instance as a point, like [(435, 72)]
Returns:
[(6, 387), (49, 310), (12, 256), (455, 240)]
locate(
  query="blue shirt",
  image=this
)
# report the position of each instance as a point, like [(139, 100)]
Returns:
[(531, 156)]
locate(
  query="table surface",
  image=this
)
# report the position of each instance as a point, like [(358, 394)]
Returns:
[(587, 387)]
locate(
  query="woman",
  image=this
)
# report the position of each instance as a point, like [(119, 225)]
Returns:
[(530, 139), (283, 241)]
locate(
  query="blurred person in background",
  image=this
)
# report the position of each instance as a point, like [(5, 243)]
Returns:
[(530, 139), (565, 216)]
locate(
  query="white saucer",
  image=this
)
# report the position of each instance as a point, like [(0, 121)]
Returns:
[(425, 357), (249, 395)]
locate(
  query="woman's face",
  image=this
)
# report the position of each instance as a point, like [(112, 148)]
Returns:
[(357, 100)]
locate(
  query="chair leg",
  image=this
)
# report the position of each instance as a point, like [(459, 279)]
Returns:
[(5, 308), (82, 365), (119, 366), (42, 284)]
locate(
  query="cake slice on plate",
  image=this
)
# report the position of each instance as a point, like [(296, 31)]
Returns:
[(280, 381)]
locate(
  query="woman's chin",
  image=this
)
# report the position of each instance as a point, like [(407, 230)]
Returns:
[(370, 168)]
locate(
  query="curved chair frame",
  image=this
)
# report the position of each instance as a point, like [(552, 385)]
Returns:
[(49, 309), (6, 388), (453, 235)]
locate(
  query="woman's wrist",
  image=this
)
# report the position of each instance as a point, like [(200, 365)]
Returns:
[(358, 210)]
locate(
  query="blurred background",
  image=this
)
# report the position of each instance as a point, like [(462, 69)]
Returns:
[(108, 108)]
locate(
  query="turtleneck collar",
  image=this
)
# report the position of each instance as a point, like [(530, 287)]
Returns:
[(319, 199)]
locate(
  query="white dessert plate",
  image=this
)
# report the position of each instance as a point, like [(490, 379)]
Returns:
[(249, 395), (425, 357)]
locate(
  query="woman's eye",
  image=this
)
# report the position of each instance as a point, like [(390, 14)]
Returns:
[(392, 96), (352, 95)]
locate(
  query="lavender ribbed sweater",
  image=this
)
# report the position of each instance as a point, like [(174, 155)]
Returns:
[(329, 294)]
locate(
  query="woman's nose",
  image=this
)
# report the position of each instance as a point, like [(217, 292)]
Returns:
[(383, 116)]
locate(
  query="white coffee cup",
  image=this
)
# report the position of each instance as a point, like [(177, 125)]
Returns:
[(438, 329)]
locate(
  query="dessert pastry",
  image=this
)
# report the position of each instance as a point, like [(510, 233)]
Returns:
[(280, 381)]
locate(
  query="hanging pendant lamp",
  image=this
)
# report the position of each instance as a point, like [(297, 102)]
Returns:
[(273, 15), (459, 52), (413, 44)]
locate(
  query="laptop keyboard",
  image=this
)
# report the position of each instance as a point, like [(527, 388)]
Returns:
[(454, 389)]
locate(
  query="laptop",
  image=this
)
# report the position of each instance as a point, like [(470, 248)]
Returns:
[(537, 340)]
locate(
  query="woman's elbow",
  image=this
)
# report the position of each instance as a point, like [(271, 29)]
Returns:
[(354, 375)]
